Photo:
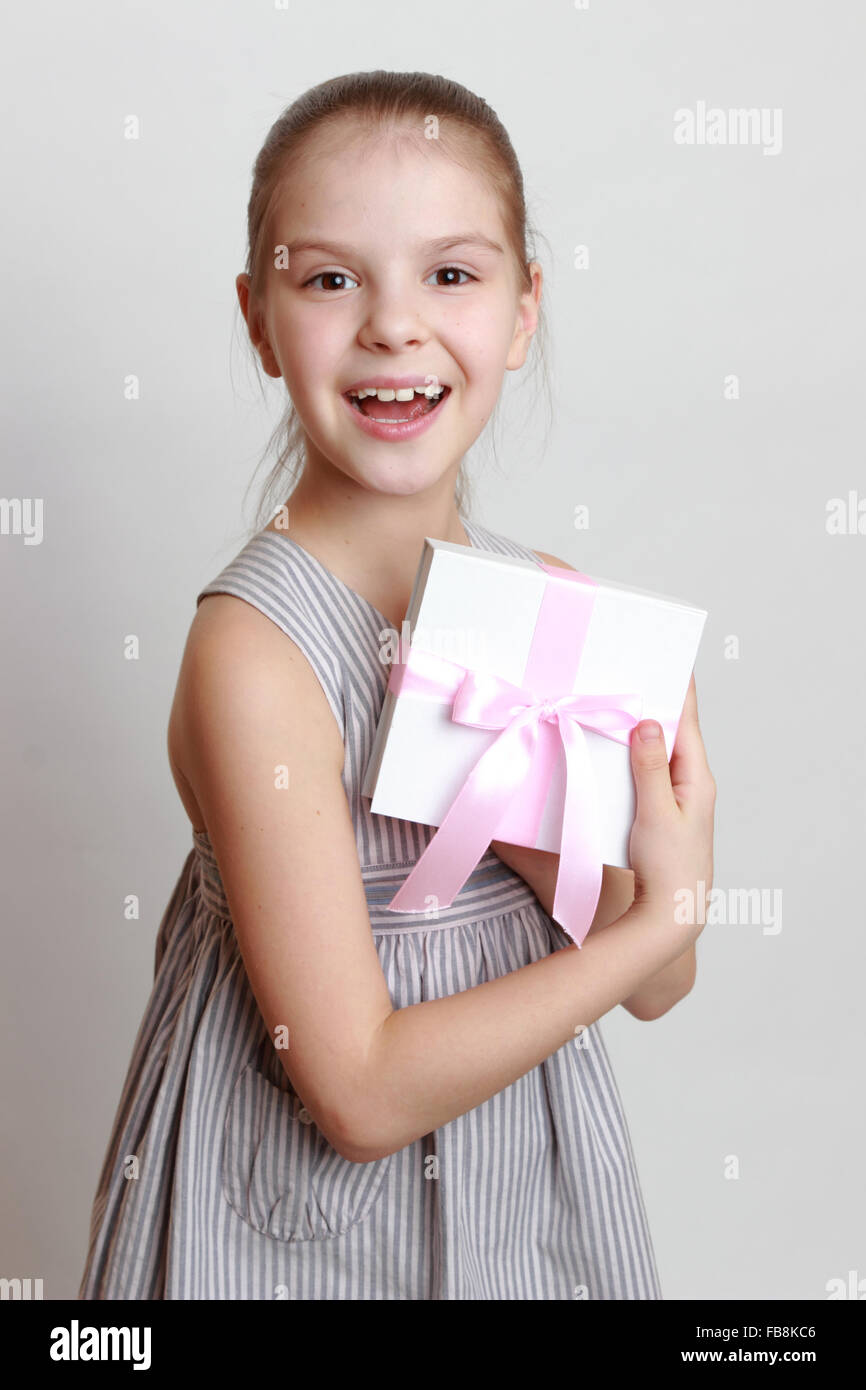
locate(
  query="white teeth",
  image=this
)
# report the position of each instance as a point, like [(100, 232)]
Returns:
[(387, 393)]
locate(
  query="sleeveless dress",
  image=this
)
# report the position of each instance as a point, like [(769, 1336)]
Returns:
[(217, 1184)]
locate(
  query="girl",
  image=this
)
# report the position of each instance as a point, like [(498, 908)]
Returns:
[(328, 1100)]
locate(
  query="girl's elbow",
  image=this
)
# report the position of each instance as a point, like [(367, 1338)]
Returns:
[(344, 1130), (648, 1010), (359, 1146), (360, 1137)]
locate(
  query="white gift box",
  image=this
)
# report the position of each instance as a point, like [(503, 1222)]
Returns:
[(480, 609)]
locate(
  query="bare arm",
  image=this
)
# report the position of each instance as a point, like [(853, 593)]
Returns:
[(438, 1059), (247, 705), (373, 1078)]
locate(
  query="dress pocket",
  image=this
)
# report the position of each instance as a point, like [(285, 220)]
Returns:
[(281, 1175)]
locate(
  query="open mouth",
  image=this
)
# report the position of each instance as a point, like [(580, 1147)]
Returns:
[(398, 411)]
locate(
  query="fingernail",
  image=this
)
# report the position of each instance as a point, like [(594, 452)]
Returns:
[(648, 730)]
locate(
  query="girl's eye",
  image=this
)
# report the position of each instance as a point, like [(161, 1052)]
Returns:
[(343, 278), (334, 274), (453, 270)]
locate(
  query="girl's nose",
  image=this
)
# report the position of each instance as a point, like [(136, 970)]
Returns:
[(393, 321)]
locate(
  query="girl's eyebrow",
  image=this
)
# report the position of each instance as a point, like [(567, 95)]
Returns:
[(440, 244)]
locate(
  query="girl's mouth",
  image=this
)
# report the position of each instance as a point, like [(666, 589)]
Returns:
[(396, 412)]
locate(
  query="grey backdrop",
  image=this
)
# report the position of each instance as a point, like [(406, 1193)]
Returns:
[(705, 262)]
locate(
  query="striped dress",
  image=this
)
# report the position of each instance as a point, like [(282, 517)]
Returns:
[(217, 1184)]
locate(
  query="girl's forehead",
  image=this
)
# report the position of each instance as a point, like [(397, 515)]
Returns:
[(419, 190)]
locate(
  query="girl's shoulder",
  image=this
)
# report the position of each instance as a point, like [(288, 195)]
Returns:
[(274, 581), (238, 673), (266, 571), (282, 580)]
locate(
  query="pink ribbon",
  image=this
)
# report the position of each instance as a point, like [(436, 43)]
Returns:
[(523, 757)]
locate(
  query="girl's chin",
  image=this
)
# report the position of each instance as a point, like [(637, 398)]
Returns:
[(391, 482)]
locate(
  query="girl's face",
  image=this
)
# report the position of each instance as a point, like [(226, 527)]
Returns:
[(397, 267)]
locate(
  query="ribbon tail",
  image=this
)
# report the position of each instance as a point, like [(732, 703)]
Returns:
[(470, 823), (578, 882), (536, 787)]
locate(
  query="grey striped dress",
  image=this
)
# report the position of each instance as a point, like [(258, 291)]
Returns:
[(217, 1184)]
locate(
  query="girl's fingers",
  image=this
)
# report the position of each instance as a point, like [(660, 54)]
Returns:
[(689, 758), (654, 797)]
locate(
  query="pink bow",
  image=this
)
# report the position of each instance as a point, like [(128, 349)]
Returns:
[(521, 760)]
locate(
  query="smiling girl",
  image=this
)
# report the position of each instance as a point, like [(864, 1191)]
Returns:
[(327, 1099)]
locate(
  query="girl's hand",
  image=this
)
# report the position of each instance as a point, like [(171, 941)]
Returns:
[(671, 842)]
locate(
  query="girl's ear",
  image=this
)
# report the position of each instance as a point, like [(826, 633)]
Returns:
[(242, 285), (253, 318), (527, 319)]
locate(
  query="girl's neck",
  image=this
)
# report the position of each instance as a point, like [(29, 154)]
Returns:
[(374, 549)]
